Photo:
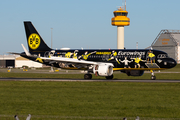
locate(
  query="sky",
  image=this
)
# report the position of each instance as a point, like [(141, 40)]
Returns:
[(85, 23)]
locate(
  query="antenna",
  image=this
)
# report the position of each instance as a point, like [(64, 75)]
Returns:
[(136, 45), (125, 4)]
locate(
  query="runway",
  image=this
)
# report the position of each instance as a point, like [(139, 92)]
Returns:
[(82, 80)]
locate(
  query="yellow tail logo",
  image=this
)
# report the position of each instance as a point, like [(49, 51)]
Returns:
[(34, 41)]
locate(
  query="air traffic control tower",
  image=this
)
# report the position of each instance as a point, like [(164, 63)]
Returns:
[(120, 20)]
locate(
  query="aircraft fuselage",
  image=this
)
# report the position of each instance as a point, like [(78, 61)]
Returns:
[(131, 58)]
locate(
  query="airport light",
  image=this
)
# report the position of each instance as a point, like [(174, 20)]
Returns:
[(51, 37)]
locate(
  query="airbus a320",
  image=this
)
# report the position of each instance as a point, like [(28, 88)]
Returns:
[(103, 62)]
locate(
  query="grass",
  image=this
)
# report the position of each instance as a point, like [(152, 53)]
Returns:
[(44, 73), (175, 69), (89, 100), (159, 76)]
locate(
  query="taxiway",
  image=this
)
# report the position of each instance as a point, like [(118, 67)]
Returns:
[(82, 80)]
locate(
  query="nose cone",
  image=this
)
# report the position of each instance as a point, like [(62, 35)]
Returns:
[(171, 63)]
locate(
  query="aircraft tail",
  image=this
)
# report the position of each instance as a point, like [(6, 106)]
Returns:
[(34, 40)]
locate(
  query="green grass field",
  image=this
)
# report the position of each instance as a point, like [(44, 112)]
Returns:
[(175, 69), (119, 76), (170, 74), (89, 100)]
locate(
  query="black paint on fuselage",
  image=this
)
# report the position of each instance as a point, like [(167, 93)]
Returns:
[(117, 57)]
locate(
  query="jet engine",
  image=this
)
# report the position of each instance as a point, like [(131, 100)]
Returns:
[(103, 69), (134, 72)]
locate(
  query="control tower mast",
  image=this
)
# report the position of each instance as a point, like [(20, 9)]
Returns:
[(120, 20)]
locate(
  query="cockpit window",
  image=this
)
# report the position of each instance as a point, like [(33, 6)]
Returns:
[(162, 56)]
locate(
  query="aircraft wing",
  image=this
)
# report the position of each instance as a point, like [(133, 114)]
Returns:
[(66, 62)]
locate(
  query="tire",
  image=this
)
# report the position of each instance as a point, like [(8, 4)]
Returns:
[(87, 76), (109, 77), (153, 77)]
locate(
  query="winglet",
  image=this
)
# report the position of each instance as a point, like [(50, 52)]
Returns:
[(26, 51)]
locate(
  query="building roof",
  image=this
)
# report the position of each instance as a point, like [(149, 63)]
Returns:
[(174, 35), (8, 57), (21, 58)]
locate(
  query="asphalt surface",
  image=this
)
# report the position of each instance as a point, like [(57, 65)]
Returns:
[(82, 80)]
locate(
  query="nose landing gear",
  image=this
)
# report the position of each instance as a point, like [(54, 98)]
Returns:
[(153, 77)]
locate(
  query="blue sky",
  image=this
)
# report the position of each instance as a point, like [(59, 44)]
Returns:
[(85, 23)]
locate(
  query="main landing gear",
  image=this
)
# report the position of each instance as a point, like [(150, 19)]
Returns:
[(109, 77), (153, 77), (89, 76)]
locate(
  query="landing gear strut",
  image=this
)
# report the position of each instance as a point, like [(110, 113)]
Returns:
[(109, 77), (153, 77), (87, 76)]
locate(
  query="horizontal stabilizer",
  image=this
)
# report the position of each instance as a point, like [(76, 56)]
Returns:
[(14, 53)]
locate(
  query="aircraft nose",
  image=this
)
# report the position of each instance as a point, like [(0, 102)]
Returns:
[(172, 63)]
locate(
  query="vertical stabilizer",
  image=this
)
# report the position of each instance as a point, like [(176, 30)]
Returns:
[(34, 40)]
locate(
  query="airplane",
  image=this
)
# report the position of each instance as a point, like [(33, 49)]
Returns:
[(103, 62)]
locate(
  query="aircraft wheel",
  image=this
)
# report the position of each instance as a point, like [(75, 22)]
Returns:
[(87, 76), (153, 77), (109, 77)]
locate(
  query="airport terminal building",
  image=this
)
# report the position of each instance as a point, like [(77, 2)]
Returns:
[(169, 42)]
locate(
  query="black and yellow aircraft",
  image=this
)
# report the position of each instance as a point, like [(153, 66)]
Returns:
[(103, 62)]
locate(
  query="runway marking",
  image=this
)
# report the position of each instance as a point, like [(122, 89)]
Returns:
[(82, 80)]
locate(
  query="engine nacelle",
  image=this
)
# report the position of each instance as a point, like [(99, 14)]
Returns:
[(103, 69), (134, 72)]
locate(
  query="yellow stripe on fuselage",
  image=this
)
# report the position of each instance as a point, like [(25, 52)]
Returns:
[(146, 69), (119, 69)]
